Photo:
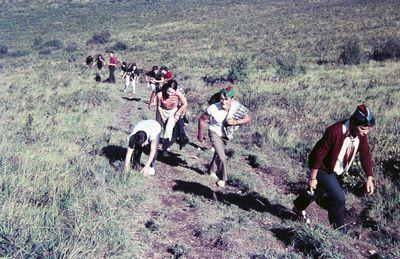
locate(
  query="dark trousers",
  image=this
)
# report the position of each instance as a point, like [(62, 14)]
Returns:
[(179, 133), (111, 77), (328, 185), (137, 153)]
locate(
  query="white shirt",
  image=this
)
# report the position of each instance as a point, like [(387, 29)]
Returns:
[(218, 116), (339, 166), (151, 127)]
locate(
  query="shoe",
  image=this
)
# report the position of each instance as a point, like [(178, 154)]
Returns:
[(183, 143), (165, 153), (152, 171), (301, 215), (214, 176), (221, 184)]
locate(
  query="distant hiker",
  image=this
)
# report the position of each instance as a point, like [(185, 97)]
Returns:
[(99, 61), (112, 64), (168, 75), (97, 78), (145, 133), (168, 101), (155, 80), (224, 117), (331, 157), (133, 74), (124, 69), (89, 61)]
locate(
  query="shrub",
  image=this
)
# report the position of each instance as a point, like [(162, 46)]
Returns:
[(57, 44), (238, 71), (37, 42), (179, 250), (386, 49), (45, 51), (287, 65), (351, 52), (19, 53), (99, 38), (71, 47), (3, 50), (120, 46)]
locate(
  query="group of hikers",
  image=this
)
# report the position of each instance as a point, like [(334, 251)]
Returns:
[(332, 155)]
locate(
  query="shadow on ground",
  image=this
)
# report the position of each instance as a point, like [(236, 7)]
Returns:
[(249, 201), (131, 99)]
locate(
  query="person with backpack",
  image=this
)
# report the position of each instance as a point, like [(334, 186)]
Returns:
[(330, 158), (145, 133), (170, 110), (224, 118)]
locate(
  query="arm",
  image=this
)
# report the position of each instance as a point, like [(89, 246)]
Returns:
[(153, 150), (128, 158), (152, 97), (366, 162), (181, 111), (234, 122), (204, 118)]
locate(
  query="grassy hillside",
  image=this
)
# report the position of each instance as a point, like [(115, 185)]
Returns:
[(63, 137)]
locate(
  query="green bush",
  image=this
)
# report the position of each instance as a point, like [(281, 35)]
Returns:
[(238, 71), (3, 50), (287, 65), (99, 38), (56, 44), (71, 47), (120, 46), (351, 52), (386, 49)]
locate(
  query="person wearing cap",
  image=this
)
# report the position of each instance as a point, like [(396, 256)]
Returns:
[(145, 133), (331, 157), (224, 118)]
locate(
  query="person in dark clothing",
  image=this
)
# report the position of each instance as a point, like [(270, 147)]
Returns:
[(99, 61), (97, 78), (331, 157), (89, 61)]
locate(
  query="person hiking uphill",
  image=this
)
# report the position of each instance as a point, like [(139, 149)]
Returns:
[(224, 117), (145, 133), (168, 101), (331, 157)]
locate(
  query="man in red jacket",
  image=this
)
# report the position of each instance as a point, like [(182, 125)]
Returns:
[(332, 156)]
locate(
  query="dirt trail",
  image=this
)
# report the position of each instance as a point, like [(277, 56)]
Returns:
[(184, 218)]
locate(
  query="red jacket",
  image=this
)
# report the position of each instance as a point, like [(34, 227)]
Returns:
[(325, 153)]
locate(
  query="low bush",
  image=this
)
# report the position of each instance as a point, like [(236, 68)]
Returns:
[(99, 38), (120, 46), (351, 52), (56, 44), (385, 49), (3, 50), (71, 47), (19, 53), (238, 71), (287, 65), (37, 42)]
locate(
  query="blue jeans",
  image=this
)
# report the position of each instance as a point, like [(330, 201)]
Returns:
[(328, 184)]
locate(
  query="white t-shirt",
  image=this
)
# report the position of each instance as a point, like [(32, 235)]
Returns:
[(218, 116), (339, 165), (151, 127)]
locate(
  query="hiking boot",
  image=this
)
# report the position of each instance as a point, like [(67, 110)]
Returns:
[(301, 215), (214, 176), (221, 184), (183, 142)]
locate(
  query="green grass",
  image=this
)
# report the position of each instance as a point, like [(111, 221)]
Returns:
[(61, 198)]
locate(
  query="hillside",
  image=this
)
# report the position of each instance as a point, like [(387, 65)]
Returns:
[(64, 136)]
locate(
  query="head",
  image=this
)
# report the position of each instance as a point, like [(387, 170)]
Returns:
[(140, 138), (134, 66), (124, 64), (226, 97), (111, 53), (155, 68), (361, 121), (169, 88)]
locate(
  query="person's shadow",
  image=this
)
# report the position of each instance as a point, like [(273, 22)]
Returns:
[(116, 154), (249, 201), (131, 98)]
